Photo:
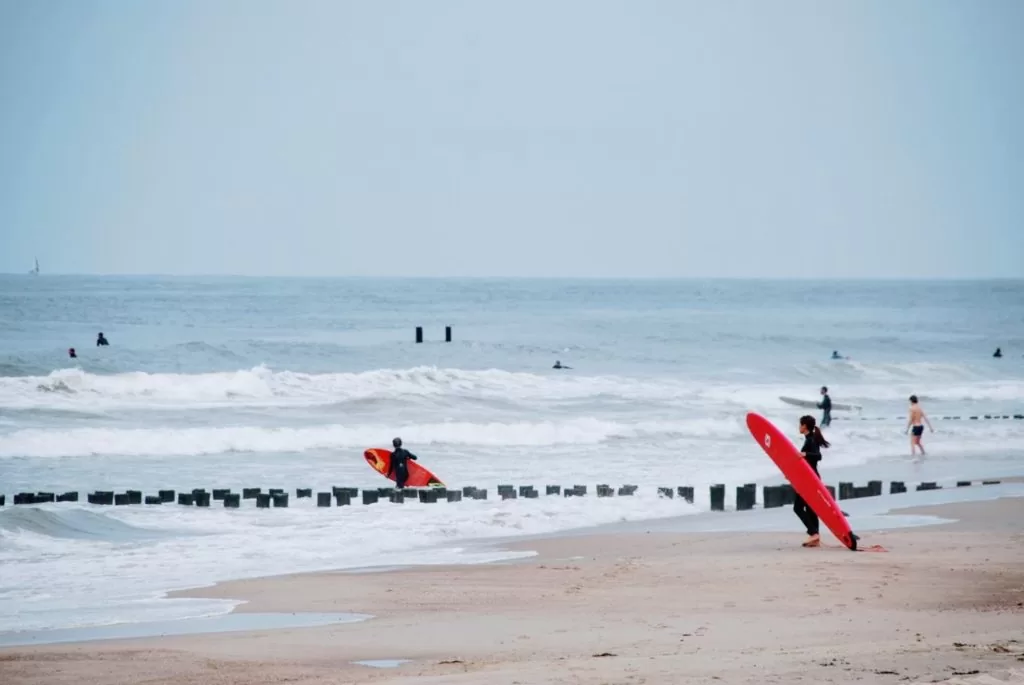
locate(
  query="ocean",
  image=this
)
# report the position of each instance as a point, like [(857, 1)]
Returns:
[(251, 382)]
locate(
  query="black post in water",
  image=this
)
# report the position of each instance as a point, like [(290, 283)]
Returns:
[(419, 334), (744, 501), (370, 497), (718, 497), (787, 493), (447, 333), (232, 500), (323, 499), (897, 487)]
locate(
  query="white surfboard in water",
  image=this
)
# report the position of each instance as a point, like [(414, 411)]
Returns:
[(809, 404)]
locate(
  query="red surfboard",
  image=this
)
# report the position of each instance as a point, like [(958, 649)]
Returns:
[(801, 476), (419, 477)]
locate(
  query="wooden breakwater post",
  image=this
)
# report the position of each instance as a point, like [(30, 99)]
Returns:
[(447, 334), (717, 493)]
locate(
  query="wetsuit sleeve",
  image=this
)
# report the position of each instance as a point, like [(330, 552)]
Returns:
[(412, 456)]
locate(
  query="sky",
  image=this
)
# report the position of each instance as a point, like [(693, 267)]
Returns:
[(662, 138)]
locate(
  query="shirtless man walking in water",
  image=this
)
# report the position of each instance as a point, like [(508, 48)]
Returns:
[(916, 423)]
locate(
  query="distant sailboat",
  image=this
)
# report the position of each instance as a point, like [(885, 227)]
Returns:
[(35, 271)]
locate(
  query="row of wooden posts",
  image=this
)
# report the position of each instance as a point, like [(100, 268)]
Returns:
[(746, 495)]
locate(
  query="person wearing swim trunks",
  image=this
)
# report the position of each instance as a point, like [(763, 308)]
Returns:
[(814, 441), (915, 425)]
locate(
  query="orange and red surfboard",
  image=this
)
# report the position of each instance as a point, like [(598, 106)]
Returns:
[(801, 476), (380, 460)]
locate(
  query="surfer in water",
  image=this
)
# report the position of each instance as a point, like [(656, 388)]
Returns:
[(559, 365), (814, 441), (400, 463), (915, 425), (826, 407)]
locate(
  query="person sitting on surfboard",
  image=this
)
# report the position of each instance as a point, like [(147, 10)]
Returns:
[(826, 407), (399, 463), (814, 441), (558, 365)]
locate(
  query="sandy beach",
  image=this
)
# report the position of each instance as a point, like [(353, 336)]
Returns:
[(942, 603)]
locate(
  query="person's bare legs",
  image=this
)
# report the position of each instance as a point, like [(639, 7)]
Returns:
[(915, 441)]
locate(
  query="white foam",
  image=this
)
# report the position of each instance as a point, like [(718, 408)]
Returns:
[(263, 387), (216, 440), (56, 582)]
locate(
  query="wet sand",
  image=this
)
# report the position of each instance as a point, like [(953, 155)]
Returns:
[(943, 602)]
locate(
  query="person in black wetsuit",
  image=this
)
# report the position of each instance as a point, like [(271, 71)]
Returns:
[(814, 441), (826, 407), (400, 463), (101, 341)]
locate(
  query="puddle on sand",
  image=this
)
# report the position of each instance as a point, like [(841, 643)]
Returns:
[(189, 626), (382, 663)]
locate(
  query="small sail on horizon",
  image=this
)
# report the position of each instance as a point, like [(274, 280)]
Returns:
[(35, 270)]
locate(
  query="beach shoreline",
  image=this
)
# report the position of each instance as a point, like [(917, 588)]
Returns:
[(665, 607)]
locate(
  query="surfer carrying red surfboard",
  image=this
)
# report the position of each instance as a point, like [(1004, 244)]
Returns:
[(399, 463), (814, 441)]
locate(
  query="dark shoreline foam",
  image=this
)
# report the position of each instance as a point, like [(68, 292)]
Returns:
[(227, 623)]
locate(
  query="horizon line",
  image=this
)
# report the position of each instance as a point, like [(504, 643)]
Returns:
[(510, 277)]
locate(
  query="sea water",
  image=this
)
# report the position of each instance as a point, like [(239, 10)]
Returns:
[(245, 382)]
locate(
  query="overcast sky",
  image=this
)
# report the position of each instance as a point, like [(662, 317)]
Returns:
[(528, 138)]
